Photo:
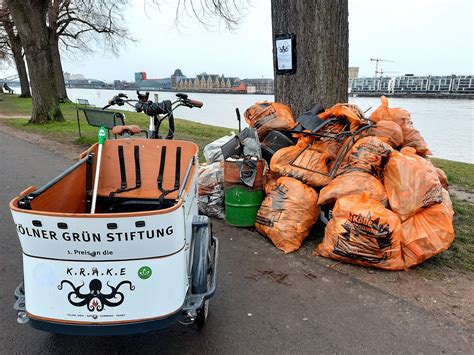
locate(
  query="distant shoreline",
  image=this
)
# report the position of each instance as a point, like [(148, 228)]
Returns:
[(171, 90), (414, 95)]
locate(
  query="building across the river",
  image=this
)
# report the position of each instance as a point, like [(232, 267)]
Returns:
[(353, 74), (411, 85), (142, 82), (220, 83), (205, 82), (179, 82)]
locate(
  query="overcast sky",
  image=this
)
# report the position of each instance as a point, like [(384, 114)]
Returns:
[(420, 36)]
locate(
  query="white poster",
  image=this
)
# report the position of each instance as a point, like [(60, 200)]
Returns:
[(103, 292), (92, 238), (284, 51)]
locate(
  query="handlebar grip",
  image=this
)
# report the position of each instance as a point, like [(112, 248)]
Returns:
[(196, 103)]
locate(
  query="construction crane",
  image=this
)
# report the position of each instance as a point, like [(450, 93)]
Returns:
[(382, 72), (377, 60)]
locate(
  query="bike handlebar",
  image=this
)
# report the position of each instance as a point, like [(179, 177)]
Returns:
[(152, 108), (196, 103)]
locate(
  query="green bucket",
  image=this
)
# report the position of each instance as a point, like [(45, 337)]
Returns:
[(241, 205)]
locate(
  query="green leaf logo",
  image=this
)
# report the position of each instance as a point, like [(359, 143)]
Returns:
[(144, 272)]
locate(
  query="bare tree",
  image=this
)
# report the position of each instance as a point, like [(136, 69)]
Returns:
[(322, 47), (29, 18), (76, 24), (211, 12), (42, 24), (3, 55), (11, 42)]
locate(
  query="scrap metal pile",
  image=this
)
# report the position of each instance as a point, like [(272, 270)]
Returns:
[(381, 201)]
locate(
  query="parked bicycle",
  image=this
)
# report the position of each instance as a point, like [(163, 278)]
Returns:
[(157, 112)]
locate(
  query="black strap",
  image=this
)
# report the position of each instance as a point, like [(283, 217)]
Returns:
[(177, 171), (162, 169), (89, 160), (177, 177), (138, 178), (123, 175)]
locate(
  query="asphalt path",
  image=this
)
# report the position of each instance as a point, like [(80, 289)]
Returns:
[(315, 309)]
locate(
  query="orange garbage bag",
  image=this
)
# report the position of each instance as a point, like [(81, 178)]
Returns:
[(443, 179), (389, 132), (368, 154), (342, 112), (412, 138), (266, 116), (363, 232), (270, 179), (383, 112), (322, 144), (326, 144), (354, 108), (303, 162), (350, 183), (288, 213), (329, 146), (428, 233), (411, 183)]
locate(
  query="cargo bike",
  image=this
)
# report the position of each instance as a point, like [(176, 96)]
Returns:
[(115, 245)]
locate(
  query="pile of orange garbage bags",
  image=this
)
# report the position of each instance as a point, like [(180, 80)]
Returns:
[(388, 204)]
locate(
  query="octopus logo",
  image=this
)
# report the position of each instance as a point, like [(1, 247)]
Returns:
[(95, 300)]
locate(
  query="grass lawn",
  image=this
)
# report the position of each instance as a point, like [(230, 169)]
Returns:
[(459, 257), (67, 132)]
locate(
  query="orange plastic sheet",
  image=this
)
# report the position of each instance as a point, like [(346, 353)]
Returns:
[(368, 154), (428, 233), (288, 213), (266, 116), (363, 232), (411, 183), (342, 112), (354, 182), (383, 112), (389, 132), (303, 162)]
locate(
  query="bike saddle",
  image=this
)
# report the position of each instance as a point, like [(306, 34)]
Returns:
[(132, 129)]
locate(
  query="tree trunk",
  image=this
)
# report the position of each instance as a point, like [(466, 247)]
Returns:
[(22, 74), (322, 50), (17, 49), (29, 17), (58, 69)]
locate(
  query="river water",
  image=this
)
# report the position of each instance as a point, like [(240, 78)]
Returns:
[(447, 125)]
